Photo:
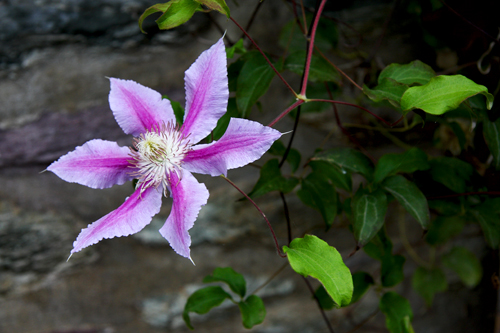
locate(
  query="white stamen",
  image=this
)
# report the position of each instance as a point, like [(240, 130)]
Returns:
[(159, 153)]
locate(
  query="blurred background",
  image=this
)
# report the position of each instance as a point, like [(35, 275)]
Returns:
[(54, 60)]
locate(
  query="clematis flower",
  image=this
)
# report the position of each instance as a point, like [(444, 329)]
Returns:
[(164, 154)]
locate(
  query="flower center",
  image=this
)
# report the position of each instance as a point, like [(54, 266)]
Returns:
[(157, 154)]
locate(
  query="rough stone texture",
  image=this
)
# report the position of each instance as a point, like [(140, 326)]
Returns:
[(54, 60)]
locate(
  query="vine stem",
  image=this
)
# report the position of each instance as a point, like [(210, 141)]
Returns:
[(282, 255), (264, 55), (287, 111), (310, 38), (330, 328), (464, 194)]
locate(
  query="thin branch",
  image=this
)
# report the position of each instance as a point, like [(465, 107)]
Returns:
[(264, 55), (310, 47), (282, 255), (337, 68), (284, 113), (287, 217), (330, 328)]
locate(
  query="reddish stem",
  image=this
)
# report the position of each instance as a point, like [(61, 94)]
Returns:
[(311, 37), (464, 194), (282, 255), (287, 111), (264, 55), (359, 107)]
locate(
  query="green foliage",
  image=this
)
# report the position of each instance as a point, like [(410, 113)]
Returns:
[(410, 197), (442, 94), (465, 264), (234, 280), (416, 72), (362, 282), (320, 69), (223, 122), (218, 5), (253, 81), (311, 256), (443, 228), (397, 311), (317, 193), (387, 89), (451, 172), (203, 300), (368, 210), (407, 162), (333, 173), (325, 301), (175, 13), (237, 48), (428, 282), (272, 180), (347, 159), (293, 157), (487, 216), (491, 131), (252, 311)]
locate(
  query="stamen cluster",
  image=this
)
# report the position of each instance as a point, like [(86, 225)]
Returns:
[(157, 154)]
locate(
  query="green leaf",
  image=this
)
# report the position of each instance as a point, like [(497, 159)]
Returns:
[(362, 282), (202, 301), (223, 122), (325, 301), (272, 180), (397, 311), (410, 197), (387, 89), (179, 12), (445, 207), (443, 93), (252, 311), (379, 247), (489, 220), (414, 72), (333, 173), (317, 193), (313, 256), (428, 282), (159, 7), (234, 280), (465, 264), (491, 131), (451, 172), (293, 157), (368, 213), (233, 71), (347, 159), (292, 39), (238, 48), (407, 162), (254, 80), (392, 270), (320, 69), (178, 110), (443, 228), (218, 5)]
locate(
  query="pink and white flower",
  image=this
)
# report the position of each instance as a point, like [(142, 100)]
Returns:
[(164, 154)]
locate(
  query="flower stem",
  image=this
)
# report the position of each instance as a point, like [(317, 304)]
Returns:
[(281, 254), (264, 55), (310, 46)]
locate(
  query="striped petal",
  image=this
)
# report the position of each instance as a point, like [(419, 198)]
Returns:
[(244, 142), (131, 217), (138, 108), (188, 197), (96, 164), (207, 92)]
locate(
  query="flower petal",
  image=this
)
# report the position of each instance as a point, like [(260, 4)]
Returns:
[(207, 92), (97, 164), (138, 108), (244, 142), (131, 217), (188, 197)]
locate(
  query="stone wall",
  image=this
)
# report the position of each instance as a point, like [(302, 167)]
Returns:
[(54, 60)]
